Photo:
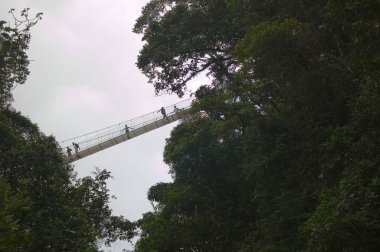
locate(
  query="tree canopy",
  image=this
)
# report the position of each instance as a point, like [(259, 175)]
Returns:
[(43, 205), (281, 152)]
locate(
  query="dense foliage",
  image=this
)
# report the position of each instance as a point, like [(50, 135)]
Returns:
[(43, 205), (281, 153)]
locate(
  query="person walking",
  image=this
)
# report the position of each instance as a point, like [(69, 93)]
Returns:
[(69, 150), (163, 112), (126, 129), (176, 110), (76, 147)]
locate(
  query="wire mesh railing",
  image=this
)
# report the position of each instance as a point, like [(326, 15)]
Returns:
[(88, 140)]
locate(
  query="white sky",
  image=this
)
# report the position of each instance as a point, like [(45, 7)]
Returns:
[(83, 77)]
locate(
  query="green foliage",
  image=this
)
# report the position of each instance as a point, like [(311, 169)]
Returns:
[(11, 235), (184, 38), (43, 205), (14, 41), (281, 153), (190, 216), (60, 212)]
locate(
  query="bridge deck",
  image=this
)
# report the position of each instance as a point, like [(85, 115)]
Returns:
[(97, 141)]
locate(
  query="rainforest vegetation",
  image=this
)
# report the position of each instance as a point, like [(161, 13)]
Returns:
[(282, 150), (43, 205)]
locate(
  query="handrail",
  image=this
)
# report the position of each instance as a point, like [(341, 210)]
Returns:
[(91, 139)]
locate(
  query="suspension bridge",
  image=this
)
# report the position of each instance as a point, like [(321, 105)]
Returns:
[(87, 144)]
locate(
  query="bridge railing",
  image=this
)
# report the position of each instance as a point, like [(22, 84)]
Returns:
[(91, 139)]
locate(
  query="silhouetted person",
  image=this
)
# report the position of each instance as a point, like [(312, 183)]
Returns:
[(163, 112), (127, 129), (176, 110), (68, 151), (76, 147)]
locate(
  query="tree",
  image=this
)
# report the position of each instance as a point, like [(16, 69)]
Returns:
[(62, 212), (11, 235), (14, 61), (185, 38), (294, 99), (194, 211), (43, 205)]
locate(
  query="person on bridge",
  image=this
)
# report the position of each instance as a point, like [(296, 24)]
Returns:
[(163, 112), (176, 110), (76, 147), (68, 151), (126, 129)]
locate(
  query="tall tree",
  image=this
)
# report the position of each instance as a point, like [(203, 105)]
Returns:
[(43, 205), (295, 93), (14, 41)]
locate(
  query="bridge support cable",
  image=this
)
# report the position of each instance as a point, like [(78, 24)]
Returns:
[(102, 139)]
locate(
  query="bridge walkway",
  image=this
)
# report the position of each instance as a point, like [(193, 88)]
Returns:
[(105, 138)]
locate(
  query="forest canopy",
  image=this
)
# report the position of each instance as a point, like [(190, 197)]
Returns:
[(281, 152), (44, 206)]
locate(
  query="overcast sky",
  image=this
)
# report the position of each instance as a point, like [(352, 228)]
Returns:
[(83, 78)]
